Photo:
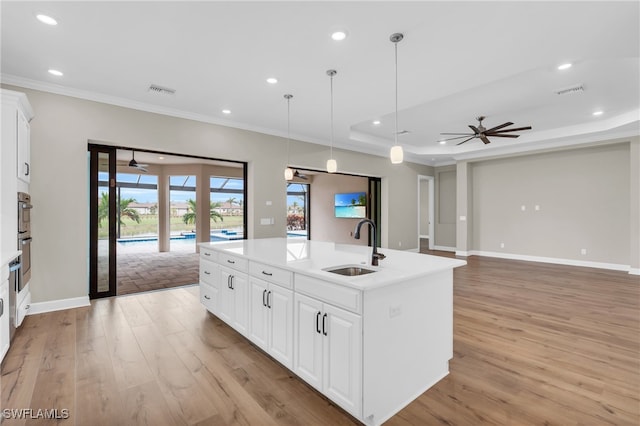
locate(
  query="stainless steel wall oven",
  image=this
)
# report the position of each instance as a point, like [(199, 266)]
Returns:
[(24, 236)]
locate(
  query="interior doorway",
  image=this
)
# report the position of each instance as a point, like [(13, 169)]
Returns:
[(426, 209), (150, 209)]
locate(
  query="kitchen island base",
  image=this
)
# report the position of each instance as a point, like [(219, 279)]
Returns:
[(370, 343)]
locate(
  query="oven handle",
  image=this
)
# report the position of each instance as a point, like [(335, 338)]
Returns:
[(26, 206), (26, 241)]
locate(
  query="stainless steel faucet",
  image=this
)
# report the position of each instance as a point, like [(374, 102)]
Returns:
[(375, 256)]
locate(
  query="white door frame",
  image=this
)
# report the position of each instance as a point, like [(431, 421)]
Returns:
[(431, 212)]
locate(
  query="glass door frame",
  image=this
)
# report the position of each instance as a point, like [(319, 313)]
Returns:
[(94, 170)]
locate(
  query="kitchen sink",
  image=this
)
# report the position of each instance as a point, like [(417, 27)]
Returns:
[(350, 271)]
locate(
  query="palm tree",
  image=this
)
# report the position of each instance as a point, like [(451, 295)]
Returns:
[(123, 210), (190, 215)]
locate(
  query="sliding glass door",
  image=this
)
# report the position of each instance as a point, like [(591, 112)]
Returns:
[(102, 221)]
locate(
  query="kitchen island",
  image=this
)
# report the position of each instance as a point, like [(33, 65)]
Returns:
[(371, 342)]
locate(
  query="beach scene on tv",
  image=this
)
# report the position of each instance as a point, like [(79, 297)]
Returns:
[(351, 205)]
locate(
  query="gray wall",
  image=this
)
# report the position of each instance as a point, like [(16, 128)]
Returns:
[(445, 208), (63, 125), (583, 196), (324, 225), (424, 207)]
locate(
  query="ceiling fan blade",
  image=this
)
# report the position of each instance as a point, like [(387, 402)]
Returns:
[(499, 127), (484, 139), (517, 129), (457, 137), (466, 134), (500, 135), (475, 129), (465, 141)]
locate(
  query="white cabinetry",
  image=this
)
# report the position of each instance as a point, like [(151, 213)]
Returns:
[(328, 351), (271, 326), (209, 287), (23, 147), (4, 311), (233, 301)]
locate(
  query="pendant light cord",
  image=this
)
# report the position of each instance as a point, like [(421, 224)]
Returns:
[(331, 149), (396, 132)]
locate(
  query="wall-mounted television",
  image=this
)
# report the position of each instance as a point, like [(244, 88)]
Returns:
[(351, 205)]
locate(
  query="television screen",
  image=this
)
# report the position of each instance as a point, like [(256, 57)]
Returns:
[(351, 205)]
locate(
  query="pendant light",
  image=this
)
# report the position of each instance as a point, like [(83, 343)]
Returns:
[(332, 165), (288, 172), (396, 153)]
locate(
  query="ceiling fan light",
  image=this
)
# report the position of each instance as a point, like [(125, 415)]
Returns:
[(332, 165), (288, 173), (396, 154)]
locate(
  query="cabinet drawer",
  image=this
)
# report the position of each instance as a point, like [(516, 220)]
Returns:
[(272, 274), (208, 272), (336, 294), (208, 255), (209, 297), (234, 262)]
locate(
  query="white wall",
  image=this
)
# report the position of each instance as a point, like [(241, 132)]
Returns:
[(324, 225), (445, 208), (424, 207), (63, 126)]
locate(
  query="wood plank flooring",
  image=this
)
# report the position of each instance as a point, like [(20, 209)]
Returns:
[(534, 344)]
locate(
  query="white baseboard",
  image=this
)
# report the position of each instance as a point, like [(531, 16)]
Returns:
[(462, 253), (414, 250), (554, 260), (58, 305), (423, 236), (444, 248), (634, 271)]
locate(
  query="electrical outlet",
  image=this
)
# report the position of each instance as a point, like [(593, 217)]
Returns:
[(394, 311), (523, 207), (537, 207), (399, 243), (501, 245), (583, 252)]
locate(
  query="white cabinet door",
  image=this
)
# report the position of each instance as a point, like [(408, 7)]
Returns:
[(240, 290), (4, 316), (342, 369), (24, 149), (308, 337), (259, 322), (226, 302), (280, 304)]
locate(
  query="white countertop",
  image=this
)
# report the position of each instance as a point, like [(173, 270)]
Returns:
[(8, 256), (311, 257)]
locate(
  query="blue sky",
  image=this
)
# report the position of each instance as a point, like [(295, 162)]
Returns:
[(346, 199)]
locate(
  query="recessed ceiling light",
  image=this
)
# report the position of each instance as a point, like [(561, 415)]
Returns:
[(161, 158), (565, 66), (226, 111), (442, 142), (339, 35), (376, 122), (46, 19), (272, 80), (55, 72), (598, 112)]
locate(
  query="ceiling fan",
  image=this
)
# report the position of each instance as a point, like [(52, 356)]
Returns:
[(133, 163), (300, 175), (482, 133)]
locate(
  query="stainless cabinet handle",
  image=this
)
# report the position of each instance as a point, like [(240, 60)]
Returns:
[(207, 254), (318, 323), (207, 297), (264, 294), (207, 272), (269, 274), (231, 261), (1, 307), (28, 168)]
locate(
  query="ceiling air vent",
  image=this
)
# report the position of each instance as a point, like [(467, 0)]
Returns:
[(578, 88), (154, 88)]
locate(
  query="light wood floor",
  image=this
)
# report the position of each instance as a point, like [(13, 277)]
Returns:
[(534, 344)]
